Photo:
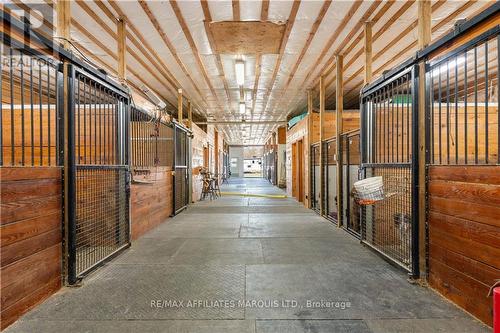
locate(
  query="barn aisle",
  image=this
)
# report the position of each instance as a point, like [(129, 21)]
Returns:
[(247, 264)]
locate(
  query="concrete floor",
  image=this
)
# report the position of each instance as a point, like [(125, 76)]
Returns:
[(272, 253)]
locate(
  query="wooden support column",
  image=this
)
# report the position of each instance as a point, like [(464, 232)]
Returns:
[(179, 106), (322, 101), (190, 115), (309, 142), (63, 9), (339, 101), (424, 39), (122, 49), (368, 52)]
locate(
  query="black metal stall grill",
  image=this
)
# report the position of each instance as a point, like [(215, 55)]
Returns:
[(98, 172), (388, 149), (181, 168), (315, 179)]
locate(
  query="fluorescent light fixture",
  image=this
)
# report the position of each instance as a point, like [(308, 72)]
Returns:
[(240, 72), (242, 108)]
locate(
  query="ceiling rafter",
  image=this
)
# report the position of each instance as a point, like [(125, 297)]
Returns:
[(236, 10), (439, 25), (218, 61), (169, 44), (89, 53), (351, 34), (312, 33), (284, 41), (175, 83), (399, 37), (264, 12), (352, 10), (168, 75), (194, 49), (112, 33), (329, 66)]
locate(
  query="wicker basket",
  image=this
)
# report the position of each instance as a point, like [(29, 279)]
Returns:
[(369, 191)]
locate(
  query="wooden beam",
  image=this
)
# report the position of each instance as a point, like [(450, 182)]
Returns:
[(330, 67), (122, 47), (339, 113), (321, 138), (424, 23), (368, 52), (190, 115), (264, 11), (309, 139), (403, 53), (289, 25), (424, 39), (391, 44), (194, 49), (179, 106), (168, 43), (142, 45), (218, 61), (236, 10), (63, 9), (352, 10), (312, 33)]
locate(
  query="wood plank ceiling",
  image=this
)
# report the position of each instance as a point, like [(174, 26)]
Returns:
[(170, 46)]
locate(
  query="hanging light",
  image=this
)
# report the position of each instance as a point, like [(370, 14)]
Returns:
[(242, 108), (240, 72)]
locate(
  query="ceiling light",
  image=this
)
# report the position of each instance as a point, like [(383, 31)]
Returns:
[(242, 108), (240, 72)]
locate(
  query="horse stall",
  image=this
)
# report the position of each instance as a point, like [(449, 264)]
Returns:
[(152, 148), (463, 171), (388, 139), (350, 155), (324, 175), (31, 183)]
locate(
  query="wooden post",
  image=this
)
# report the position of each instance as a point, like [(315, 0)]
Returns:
[(122, 49), (322, 96), (190, 115), (63, 9), (179, 106), (339, 101), (424, 39), (309, 142), (368, 52)]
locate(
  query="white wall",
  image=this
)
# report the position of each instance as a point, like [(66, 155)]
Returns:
[(236, 152)]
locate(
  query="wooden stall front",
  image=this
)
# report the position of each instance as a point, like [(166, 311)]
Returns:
[(464, 235), (31, 211)]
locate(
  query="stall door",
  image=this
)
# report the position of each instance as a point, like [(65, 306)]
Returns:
[(181, 169), (389, 149), (98, 188)]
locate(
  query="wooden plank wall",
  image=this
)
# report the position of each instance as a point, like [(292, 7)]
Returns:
[(151, 200), (31, 210), (464, 235), (350, 122)]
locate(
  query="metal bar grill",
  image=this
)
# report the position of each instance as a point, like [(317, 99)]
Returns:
[(463, 106), (350, 155), (181, 169), (98, 172), (28, 116), (330, 179), (387, 141), (315, 185)]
